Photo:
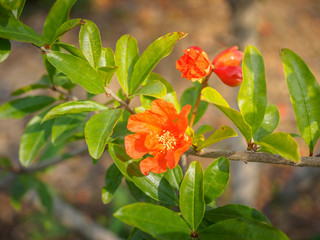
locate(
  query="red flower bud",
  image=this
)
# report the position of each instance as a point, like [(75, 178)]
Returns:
[(226, 66), (230, 75), (194, 64)]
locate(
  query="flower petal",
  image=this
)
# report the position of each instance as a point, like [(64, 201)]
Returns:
[(173, 156), (155, 164), (164, 109), (134, 144), (145, 122), (182, 122)]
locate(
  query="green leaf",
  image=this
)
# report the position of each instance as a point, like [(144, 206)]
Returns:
[(5, 163), (170, 97), (213, 96), (73, 107), (174, 176), (222, 133), (154, 89), (157, 50), (34, 139), (216, 178), (269, 124), (138, 194), (21, 107), (44, 194), (98, 130), (65, 126), (189, 96), (283, 144), (305, 96), (58, 14), (252, 97), (154, 185), (11, 4), (67, 26), (107, 73), (28, 88), (17, 12), (234, 211), (71, 49), (192, 203), (137, 234), (241, 229), (5, 49), (126, 56), (12, 28), (112, 181), (198, 134), (90, 42), (78, 71), (107, 64), (158, 221), (20, 186)]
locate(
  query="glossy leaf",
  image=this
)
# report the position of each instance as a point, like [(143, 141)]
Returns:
[(67, 26), (12, 28), (58, 14), (112, 181), (283, 144), (157, 50), (71, 49), (170, 96), (126, 56), (34, 139), (198, 134), (73, 107), (192, 203), (234, 211), (154, 89), (158, 221), (213, 96), (241, 229), (21, 107), (78, 71), (107, 64), (65, 126), (304, 94), (11, 4), (216, 178), (98, 130), (220, 134), (90, 42), (270, 123), (252, 97), (5, 49), (154, 185), (17, 12), (138, 194), (174, 176), (189, 96), (28, 88)]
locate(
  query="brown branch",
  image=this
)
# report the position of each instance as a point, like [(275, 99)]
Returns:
[(260, 157), (122, 103)]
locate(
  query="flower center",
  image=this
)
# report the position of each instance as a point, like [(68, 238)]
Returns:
[(168, 140)]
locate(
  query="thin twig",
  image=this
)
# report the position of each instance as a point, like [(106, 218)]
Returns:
[(261, 157), (69, 96), (122, 103)]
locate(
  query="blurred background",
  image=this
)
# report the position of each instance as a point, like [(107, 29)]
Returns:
[(288, 196)]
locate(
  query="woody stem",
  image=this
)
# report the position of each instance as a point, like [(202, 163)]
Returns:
[(196, 106)]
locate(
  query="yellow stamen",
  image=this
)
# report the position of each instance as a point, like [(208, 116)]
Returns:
[(168, 140)]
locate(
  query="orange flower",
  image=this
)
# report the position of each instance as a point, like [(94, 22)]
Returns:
[(159, 132), (194, 64), (226, 66)]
